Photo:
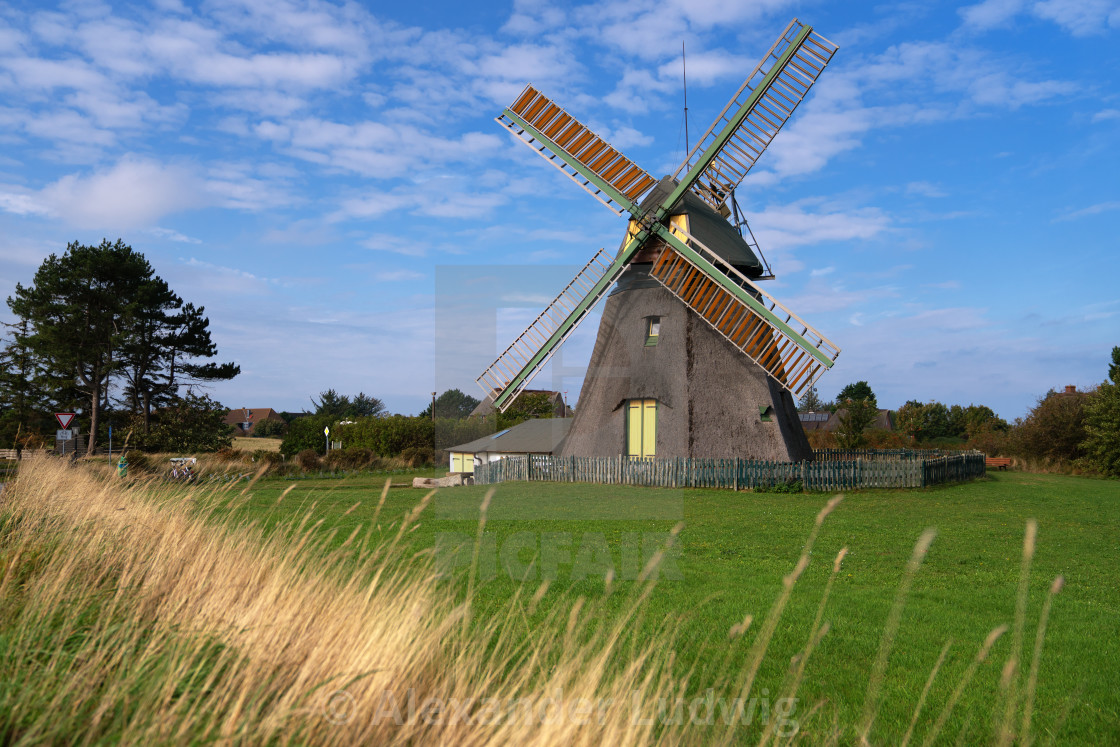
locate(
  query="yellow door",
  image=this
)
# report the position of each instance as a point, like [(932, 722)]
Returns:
[(462, 462), (641, 428)]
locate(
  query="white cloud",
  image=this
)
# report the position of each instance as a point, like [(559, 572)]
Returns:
[(1078, 17), (397, 276), (135, 192), (1100, 207), (173, 235), (925, 189), (991, 13), (1106, 114), (788, 226)]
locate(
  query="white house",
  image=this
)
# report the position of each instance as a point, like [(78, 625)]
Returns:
[(540, 436)]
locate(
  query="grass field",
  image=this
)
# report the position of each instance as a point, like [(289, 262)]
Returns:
[(125, 615), (257, 444), (735, 549)]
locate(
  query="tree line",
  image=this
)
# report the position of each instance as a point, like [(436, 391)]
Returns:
[(97, 331), (1068, 430), (418, 437)]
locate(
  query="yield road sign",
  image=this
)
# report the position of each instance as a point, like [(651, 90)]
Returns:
[(64, 418)]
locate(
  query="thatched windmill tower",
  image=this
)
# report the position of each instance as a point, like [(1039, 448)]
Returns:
[(693, 359)]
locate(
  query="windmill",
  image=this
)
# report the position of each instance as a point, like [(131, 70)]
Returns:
[(692, 357)]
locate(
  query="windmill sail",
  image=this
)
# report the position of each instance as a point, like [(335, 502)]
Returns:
[(791, 351), (526, 356), (754, 115), (771, 335), (583, 156)]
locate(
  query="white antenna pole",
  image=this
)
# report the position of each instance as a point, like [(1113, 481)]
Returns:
[(684, 79)]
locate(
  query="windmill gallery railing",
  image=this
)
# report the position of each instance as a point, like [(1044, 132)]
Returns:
[(834, 469)]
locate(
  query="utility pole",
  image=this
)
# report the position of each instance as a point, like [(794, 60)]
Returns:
[(433, 407)]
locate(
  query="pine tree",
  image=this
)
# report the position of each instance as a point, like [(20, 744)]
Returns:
[(75, 309), (99, 312)]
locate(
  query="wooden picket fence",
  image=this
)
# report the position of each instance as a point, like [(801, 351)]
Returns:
[(893, 468)]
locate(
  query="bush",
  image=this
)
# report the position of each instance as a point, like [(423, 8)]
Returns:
[(309, 460), (990, 440), (138, 461), (1054, 429), (388, 436), (419, 456), (264, 456), (270, 429), (227, 456), (306, 433), (353, 458), (792, 486)]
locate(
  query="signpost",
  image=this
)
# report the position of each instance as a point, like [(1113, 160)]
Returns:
[(327, 435)]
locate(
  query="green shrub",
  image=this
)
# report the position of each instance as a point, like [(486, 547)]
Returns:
[(307, 433), (353, 458), (1054, 430), (419, 456), (270, 429), (309, 460), (387, 436), (792, 486)]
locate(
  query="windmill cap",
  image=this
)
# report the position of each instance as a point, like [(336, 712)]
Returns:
[(711, 228)]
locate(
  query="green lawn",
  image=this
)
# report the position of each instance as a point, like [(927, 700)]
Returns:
[(735, 549)]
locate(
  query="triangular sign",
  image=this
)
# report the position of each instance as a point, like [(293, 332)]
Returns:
[(64, 418)]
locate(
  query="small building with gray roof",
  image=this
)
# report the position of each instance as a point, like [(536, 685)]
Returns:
[(538, 436)]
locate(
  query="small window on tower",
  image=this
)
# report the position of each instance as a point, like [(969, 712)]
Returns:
[(654, 330)]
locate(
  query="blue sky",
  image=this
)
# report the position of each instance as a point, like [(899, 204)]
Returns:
[(944, 206)]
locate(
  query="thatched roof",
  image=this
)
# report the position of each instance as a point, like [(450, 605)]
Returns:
[(538, 436), (711, 228), (710, 397)]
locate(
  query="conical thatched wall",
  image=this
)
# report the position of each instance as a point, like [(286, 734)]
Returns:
[(708, 393)]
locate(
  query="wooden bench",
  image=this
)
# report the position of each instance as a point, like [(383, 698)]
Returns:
[(8, 455), (997, 462)]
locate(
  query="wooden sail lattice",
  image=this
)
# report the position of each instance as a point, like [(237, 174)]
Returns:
[(746, 134), (522, 360), (570, 146), (747, 328)]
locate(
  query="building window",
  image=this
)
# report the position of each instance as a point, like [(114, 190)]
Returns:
[(653, 331), (641, 428)]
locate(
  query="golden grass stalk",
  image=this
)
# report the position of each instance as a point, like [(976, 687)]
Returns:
[(925, 692), (1036, 657), (981, 655), (817, 631), (890, 630), (1009, 681), (762, 643)]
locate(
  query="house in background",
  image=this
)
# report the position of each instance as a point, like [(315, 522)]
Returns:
[(556, 399), (825, 421), (539, 436), (245, 419)]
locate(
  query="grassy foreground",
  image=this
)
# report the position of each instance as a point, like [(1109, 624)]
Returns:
[(312, 613)]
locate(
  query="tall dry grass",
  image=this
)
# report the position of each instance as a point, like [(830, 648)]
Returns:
[(133, 614), (135, 619)]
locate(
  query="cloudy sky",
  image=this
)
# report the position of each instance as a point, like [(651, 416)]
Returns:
[(326, 178)]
